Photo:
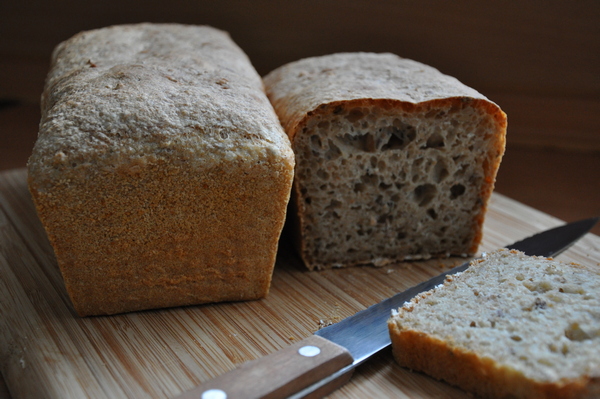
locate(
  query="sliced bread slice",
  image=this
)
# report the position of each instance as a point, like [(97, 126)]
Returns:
[(509, 326)]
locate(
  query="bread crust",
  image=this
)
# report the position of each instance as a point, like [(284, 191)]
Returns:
[(160, 173), (301, 87), (313, 87), (479, 375)]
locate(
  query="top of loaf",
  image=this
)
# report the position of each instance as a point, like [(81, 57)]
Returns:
[(301, 86), (133, 94)]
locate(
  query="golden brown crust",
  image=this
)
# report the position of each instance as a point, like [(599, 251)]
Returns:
[(482, 376), (161, 173)]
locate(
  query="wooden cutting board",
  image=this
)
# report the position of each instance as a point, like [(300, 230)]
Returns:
[(47, 351)]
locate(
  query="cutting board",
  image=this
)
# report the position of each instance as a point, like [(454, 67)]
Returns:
[(49, 352)]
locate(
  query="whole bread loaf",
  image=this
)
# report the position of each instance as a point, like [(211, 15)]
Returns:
[(510, 326), (394, 160), (161, 172)]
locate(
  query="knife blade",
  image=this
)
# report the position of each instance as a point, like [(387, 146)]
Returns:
[(319, 364)]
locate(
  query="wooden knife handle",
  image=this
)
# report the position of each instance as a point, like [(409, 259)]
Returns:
[(280, 374)]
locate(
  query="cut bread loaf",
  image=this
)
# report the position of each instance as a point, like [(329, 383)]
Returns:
[(510, 326), (394, 160), (161, 172)]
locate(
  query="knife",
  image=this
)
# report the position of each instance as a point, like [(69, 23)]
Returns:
[(321, 363)]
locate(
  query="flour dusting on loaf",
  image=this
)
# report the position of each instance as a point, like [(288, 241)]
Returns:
[(394, 160), (161, 172), (509, 326)]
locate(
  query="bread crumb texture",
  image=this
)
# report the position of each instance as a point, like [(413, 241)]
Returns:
[(394, 160), (509, 326), (161, 172)]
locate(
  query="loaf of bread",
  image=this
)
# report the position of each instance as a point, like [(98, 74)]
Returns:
[(510, 326), (394, 160), (161, 173)]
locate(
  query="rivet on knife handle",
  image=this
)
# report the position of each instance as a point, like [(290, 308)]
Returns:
[(280, 374)]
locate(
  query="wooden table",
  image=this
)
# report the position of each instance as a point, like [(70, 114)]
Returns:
[(47, 351)]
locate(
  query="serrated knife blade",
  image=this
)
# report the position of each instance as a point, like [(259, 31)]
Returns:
[(324, 361)]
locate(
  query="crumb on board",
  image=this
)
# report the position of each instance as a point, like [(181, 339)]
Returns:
[(333, 318)]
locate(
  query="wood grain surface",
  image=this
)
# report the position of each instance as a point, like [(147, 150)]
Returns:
[(47, 351)]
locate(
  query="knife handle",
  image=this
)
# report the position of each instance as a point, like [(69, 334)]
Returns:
[(280, 374)]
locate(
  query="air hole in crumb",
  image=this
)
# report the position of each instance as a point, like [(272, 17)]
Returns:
[(436, 140), (370, 179), (401, 235), (440, 172), (308, 200), (364, 142), (424, 194), (456, 191), (333, 152), (546, 362), (575, 333), (359, 188), (334, 204), (538, 286), (384, 186), (432, 213), (315, 142), (571, 289), (323, 174), (401, 134), (384, 218)]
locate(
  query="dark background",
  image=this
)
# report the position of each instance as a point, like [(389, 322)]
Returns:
[(539, 60)]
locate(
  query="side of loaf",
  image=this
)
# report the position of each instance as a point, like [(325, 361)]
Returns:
[(161, 173), (510, 326), (394, 160)]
